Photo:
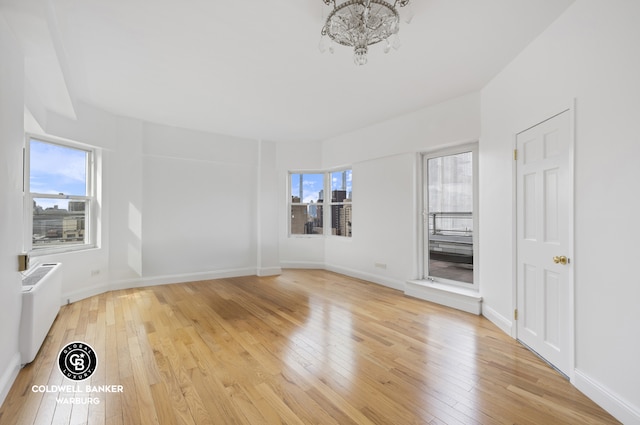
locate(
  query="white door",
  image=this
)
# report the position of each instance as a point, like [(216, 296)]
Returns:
[(544, 222)]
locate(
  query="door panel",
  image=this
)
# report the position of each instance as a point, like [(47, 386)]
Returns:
[(544, 218)]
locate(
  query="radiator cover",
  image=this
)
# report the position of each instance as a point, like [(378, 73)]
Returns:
[(41, 294)]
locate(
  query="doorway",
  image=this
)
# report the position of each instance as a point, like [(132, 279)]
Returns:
[(449, 216)]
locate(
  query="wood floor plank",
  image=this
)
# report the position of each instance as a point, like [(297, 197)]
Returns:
[(305, 347)]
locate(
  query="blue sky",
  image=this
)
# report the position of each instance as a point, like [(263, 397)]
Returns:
[(56, 169), (312, 184)]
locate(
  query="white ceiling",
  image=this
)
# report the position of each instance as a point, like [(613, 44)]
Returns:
[(252, 68)]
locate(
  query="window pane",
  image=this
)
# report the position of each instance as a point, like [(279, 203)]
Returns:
[(450, 188), (341, 182), (307, 188), (341, 219), (56, 169), (58, 222), (306, 219), (341, 203)]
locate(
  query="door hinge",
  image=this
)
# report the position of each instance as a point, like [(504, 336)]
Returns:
[(515, 154), (515, 314)]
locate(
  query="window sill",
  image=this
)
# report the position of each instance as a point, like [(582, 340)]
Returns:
[(41, 252), (456, 297)]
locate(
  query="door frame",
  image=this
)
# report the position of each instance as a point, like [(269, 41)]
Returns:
[(569, 107), (422, 269)]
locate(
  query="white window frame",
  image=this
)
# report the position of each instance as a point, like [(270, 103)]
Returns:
[(423, 225), (90, 230)]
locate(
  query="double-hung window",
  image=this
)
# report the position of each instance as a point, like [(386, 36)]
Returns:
[(319, 197), (60, 195)]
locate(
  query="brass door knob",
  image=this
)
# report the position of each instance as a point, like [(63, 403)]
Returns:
[(561, 259)]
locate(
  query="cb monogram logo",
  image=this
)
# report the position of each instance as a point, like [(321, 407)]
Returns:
[(77, 361)]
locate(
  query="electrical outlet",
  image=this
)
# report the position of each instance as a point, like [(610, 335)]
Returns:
[(380, 265), (95, 272)]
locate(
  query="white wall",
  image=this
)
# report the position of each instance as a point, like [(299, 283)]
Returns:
[(199, 203), (268, 207), (11, 142), (125, 203), (384, 231), (591, 54)]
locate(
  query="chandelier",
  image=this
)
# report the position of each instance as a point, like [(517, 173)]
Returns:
[(361, 23)]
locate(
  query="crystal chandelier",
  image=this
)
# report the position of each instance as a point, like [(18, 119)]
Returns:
[(361, 23)]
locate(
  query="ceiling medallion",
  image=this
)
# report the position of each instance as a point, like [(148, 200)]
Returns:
[(361, 23)]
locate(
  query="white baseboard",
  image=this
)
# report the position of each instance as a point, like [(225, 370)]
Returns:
[(380, 280), (195, 277), (156, 280), (498, 319), (269, 271), (621, 409), (301, 265), (73, 296), (450, 296), (9, 375)]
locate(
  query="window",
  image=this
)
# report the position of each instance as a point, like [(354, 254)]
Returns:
[(61, 195), (341, 203), (307, 200), (449, 215)]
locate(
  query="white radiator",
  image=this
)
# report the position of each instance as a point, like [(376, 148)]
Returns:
[(41, 293)]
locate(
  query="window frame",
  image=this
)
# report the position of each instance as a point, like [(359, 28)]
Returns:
[(424, 214), (90, 225)]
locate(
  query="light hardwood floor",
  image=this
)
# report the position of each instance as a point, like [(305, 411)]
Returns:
[(306, 347)]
